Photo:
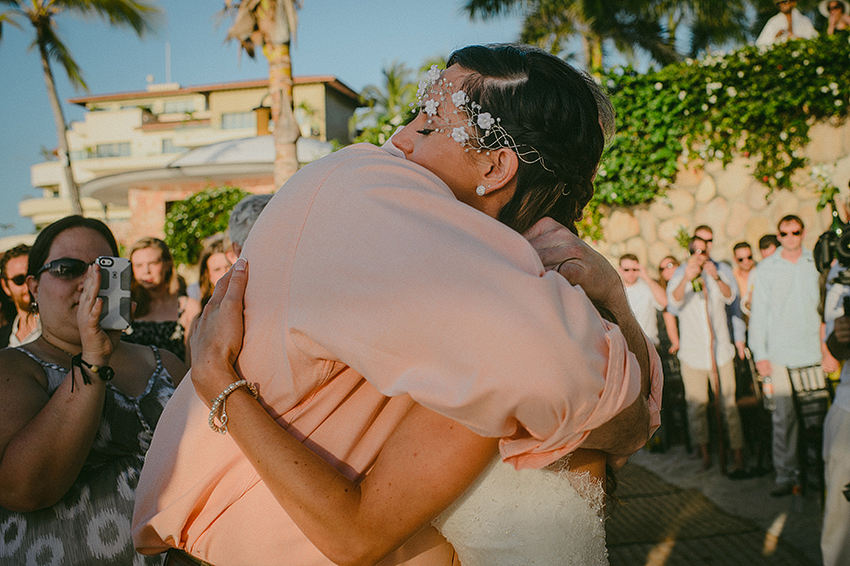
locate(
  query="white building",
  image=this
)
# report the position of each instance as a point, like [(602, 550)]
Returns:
[(143, 132)]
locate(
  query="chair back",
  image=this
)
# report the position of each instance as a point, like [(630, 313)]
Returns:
[(811, 394)]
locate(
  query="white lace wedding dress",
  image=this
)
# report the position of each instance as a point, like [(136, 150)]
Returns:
[(527, 517)]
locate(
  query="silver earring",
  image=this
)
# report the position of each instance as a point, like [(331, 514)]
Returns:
[(480, 190)]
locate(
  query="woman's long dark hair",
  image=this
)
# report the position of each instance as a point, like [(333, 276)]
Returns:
[(551, 110)]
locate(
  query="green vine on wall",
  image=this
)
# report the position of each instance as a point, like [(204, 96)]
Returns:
[(197, 217), (754, 102)]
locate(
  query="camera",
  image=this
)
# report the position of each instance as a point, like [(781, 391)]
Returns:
[(833, 244)]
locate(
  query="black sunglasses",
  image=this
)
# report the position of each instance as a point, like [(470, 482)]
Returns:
[(740, 259), (794, 233), (64, 268), (18, 279)]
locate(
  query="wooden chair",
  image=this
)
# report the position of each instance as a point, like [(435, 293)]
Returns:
[(812, 394)]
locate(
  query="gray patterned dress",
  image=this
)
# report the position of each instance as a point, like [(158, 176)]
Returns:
[(91, 523)]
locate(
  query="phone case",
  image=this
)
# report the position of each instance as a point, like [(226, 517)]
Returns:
[(116, 273)]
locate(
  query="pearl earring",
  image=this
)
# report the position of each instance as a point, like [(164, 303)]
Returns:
[(480, 190)]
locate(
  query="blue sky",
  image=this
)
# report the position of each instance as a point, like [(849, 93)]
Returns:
[(349, 39)]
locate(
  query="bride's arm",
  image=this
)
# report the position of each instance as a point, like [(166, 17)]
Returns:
[(426, 464)]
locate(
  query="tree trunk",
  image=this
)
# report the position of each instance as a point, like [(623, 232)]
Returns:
[(594, 60), (61, 132), (286, 130)]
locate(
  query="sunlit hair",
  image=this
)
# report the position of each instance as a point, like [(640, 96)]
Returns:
[(215, 245), (243, 216), (545, 104), (665, 261), (175, 284)]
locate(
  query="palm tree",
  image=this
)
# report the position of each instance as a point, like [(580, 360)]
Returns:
[(271, 25), (711, 23), (397, 92), (550, 23), (41, 14), (651, 25)]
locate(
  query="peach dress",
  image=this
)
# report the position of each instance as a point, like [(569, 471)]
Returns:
[(371, 287)]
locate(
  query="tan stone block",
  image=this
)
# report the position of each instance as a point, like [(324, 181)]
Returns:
[(845, 138), (677, 202), (714, 167), (706, 190), (648, 224), (714, 214), (621, 226), (688, 175), (758, 226), (739, 216), (735, 179), (785, 202), (825, 143), (757, 196), (841, 176), (669, 230), (635, 246)]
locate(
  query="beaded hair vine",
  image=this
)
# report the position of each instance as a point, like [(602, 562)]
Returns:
[(433, 92)]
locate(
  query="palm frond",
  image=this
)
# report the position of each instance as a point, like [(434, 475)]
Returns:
[(139, 15), (486, 9), (48, 40)]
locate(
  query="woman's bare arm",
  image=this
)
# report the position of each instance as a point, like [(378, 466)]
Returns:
[(44, 440), (426, 464)]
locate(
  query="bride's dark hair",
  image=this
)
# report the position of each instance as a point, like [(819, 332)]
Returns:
[(551, 110)]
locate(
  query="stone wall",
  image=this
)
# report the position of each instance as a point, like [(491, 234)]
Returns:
[(730, 200)]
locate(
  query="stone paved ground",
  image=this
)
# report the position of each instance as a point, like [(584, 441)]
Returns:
[(673, 513)]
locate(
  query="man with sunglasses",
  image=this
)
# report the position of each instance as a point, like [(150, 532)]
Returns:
[(13, 278), (789, 23), (785, 333), (744, 269), (699, 293), (645, 296)]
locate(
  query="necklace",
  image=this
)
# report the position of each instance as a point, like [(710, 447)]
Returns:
[(49, 343), (105, 373)]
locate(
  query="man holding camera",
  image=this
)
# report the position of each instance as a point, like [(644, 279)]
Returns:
[(698, 293), (835, 537), (784, 333)]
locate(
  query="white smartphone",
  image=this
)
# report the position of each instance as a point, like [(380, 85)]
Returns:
[(116, 273)]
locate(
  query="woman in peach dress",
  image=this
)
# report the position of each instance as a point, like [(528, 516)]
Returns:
[(386, 306)]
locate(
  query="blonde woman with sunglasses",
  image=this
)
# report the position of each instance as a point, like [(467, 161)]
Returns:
[(79, 411)]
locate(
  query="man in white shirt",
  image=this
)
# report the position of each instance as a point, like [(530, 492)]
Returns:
[(699, 293), (644, 294), (789, 23), (785, 333)]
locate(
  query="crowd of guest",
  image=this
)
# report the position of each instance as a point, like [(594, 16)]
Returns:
[(735, 331), (82, 402)]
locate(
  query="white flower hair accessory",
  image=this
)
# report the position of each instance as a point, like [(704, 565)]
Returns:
[(473, 129)]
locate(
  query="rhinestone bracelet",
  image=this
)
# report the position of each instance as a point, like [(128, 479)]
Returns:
[(220, 400)]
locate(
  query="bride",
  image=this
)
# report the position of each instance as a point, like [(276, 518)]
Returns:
[(384, 311)]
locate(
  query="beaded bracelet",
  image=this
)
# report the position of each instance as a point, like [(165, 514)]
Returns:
[(105, 373), (220, 400)]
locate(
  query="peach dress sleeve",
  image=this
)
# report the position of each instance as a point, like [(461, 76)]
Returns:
[(372, 287)]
